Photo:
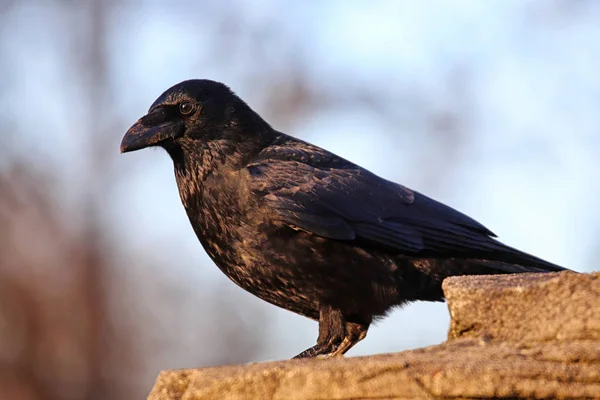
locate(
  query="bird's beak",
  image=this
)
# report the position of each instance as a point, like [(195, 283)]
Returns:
[(142, 134)]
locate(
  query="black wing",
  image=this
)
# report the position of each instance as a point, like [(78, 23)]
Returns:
[(315, 191)]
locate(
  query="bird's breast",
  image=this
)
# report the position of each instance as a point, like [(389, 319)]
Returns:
[(222, 211)]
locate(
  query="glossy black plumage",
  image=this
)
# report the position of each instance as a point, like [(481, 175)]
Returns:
[(305, 229)]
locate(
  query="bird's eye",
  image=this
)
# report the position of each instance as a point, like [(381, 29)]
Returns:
[(186, 108)]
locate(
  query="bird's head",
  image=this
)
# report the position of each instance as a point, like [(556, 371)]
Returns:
[(193, 113)]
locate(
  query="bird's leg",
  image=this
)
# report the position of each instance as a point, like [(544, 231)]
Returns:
[(336, 335), (355, 332), (331, 333)]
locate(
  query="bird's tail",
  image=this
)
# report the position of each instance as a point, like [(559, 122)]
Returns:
[(510, 260)]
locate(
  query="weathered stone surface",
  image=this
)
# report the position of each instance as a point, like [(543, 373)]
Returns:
[(466, 368), (511, 342), (525, 307)]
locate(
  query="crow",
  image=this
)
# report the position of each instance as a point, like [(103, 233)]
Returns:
[(305, 229)]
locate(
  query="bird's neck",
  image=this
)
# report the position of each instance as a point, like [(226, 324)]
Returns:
[(195, 162)]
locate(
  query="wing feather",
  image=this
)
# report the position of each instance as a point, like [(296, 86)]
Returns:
[(336, 199)]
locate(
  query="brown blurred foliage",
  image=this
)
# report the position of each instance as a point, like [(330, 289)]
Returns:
[(56, 329)]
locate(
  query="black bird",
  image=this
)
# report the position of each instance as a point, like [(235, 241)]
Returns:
[(307, 230)]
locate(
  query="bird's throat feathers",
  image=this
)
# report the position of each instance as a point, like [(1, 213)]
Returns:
[(195, 162)]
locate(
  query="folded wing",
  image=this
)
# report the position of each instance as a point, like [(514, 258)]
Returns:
[(339, 200)]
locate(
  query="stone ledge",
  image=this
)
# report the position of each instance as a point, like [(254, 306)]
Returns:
[(525, 307), (529, 335), (465, 368)]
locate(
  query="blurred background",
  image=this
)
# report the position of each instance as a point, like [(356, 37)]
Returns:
[(491, 107)]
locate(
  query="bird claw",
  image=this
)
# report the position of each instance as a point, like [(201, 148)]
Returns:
[(309, 353), (336, 335), (332, 349)]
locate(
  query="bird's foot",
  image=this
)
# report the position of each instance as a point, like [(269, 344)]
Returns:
[(314, 352), (336, 336), (354, 334)]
